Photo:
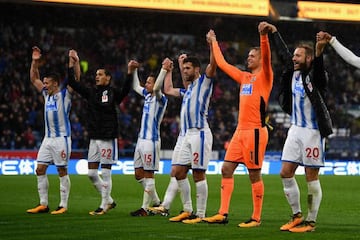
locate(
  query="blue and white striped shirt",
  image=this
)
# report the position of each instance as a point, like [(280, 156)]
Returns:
[(195, 104), (153, 112), (56, 113), (303, 113)]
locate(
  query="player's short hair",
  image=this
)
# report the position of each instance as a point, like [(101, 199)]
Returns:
[(107, 72), (309, 51), (54, 77), (256, 48), (193, 60), (152, 75)]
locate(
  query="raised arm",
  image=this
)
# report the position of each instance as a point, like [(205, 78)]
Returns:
[(73, 80), (211, 67), (181, 67), (132, 69), (284, 96), (320, 77), (168, 83), (34, 69), (343, 52), (281, 48), (166, 67), (265, 28), (217, 55), (320, 45), (74, 62)]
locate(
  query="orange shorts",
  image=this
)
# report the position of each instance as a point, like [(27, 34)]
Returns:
[(248, 147)]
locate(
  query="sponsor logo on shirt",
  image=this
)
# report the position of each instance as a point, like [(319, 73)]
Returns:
[(147, 103), (247, 89), (51, 105), (299, 88)]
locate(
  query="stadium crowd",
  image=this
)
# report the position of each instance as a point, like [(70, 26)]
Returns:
[(111, 37)]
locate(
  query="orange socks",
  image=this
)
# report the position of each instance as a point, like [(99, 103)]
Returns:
[(227, 187), (257, 196)]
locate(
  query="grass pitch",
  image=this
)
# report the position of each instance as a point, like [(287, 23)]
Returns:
[(337, 217)]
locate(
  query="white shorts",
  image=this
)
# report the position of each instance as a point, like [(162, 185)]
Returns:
[(103, 151), (196, 148), (175, 159), (304, 146), (55, 150), (147, 154)]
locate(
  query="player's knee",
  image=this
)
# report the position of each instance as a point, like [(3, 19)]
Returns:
[(93, 174), (41, 169), (139, 173), (62, 171), (39, 172), (138, 176), (181, 175), (226, 172), (286, 174)]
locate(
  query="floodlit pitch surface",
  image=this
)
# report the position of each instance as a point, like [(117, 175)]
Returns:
[(337, 219)]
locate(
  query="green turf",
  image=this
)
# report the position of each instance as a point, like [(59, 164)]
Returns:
[(337, 218)]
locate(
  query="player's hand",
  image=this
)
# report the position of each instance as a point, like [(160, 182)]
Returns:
[(265, 28), (73, 55), (132, 65), (323, 36), (262, 28), (167, 64), (320, 45), (181, 58), (36, 53), (210, 36)]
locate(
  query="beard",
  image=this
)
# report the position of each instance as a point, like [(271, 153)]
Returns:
[(300, 66), (303, 66), (189, 78)]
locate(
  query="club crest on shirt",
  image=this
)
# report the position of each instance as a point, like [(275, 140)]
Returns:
[(247, 89), (105, 97), (308, 84)]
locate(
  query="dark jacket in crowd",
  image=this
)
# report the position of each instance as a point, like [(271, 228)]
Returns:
[(102, 102)]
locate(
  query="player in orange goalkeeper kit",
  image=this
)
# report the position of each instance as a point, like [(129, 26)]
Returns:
[(249, 141)]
